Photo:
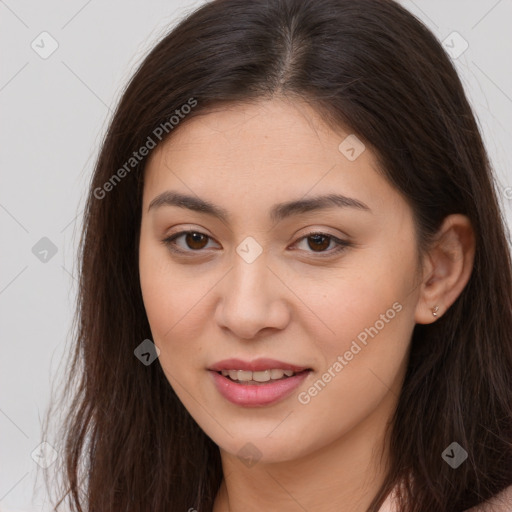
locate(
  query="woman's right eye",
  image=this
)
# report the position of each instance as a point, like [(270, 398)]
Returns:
[(194, 240)]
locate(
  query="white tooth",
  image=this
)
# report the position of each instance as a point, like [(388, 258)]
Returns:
[(244, 375), (262, 376)]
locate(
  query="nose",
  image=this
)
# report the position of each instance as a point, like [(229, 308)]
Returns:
[(252, 298)]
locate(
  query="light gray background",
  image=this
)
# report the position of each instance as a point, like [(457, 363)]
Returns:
[(54, 112)]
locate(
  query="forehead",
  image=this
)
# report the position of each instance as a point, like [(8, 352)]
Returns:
[(272, 125), (252, 152)]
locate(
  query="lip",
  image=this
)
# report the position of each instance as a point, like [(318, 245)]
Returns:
[(256, 395), (257, 365)]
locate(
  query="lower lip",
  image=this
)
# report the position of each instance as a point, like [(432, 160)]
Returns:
[(257, 395)]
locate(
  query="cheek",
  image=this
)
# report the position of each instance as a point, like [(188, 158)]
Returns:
[(167, 295), (166, 308), (366, 352), (367, 301), (370, 315), (362, 366)]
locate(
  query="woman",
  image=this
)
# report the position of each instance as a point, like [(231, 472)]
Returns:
[(295, 287)]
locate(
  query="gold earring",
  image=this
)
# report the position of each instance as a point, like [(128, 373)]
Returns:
[(435, 309)]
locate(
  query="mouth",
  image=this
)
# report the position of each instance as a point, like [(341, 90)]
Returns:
[(257, 383)]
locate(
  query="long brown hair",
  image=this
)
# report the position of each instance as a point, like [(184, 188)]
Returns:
[(128, 444)]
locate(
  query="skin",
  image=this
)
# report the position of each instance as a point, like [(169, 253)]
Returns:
[(290, 304)]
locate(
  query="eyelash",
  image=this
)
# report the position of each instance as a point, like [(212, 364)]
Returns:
[(342, 245)]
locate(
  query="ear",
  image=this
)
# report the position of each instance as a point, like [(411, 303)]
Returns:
[(447, 268)]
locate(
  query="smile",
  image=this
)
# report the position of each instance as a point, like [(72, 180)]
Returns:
[(257, 383)]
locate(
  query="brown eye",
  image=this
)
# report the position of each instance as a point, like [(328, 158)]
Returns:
[(319, 242), (195, 240)]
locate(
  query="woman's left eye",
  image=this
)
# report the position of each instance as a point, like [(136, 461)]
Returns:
[(318, 242), (323, 240)]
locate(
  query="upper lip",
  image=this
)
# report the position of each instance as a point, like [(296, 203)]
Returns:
[(255, 365)]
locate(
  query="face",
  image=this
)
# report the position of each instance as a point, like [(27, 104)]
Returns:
[(261, 279)]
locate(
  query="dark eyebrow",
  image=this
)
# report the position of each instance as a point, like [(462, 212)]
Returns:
[(277, 213)]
